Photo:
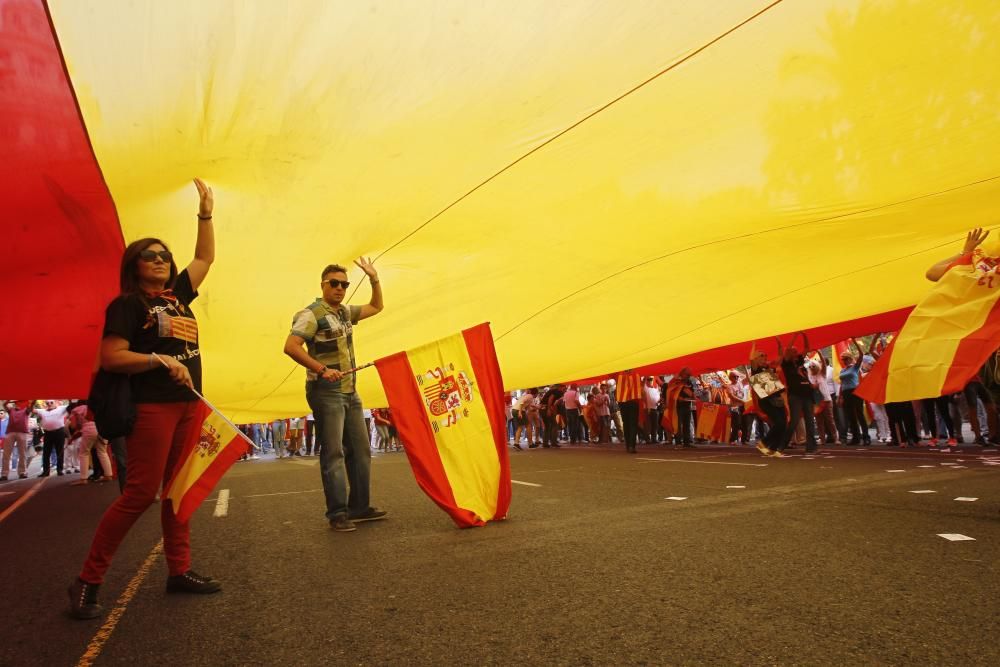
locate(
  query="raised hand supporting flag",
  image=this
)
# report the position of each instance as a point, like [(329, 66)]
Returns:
[(946, 339)]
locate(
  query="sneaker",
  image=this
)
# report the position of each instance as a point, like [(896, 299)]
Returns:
[(533, 445), (23, 476), (373, 514), (952, 442), (980, 440), (776, 454), (192, 582), (517, 447), (342, 524), (83, 600), (44, 474), (762, 448)]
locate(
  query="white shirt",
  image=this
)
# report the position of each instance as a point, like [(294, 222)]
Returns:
[(822, 384), (652, 396), (54, 419), (830, 382)]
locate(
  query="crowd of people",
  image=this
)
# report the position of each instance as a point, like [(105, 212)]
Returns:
[(62, 432), (297, 436), (796, 400)]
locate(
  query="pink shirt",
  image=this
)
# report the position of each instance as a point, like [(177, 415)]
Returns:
[(602, 403), (571, 399)]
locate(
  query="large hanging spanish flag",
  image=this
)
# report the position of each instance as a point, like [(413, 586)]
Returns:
[(208, 454), (947, 337), (447, 401), (596, 122)]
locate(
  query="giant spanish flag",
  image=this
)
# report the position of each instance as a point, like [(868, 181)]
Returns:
[(207, 455), (447, 401), (947, 337), (563, 170)]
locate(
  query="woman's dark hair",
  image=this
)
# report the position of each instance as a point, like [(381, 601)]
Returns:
[(129, 276)]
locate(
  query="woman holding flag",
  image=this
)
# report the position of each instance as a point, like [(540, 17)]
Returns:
[(151, 335)]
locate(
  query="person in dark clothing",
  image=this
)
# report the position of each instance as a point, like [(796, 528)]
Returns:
[(801, 401), (550, 409)]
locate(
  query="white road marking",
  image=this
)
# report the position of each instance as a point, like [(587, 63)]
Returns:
[(514, 481), (7, 493), (895, 471), (736, 487), (956, 537), (964, 499), (676, 498), (283, 493), (925, 466), (923, 491), (222, 504), (713, 463)]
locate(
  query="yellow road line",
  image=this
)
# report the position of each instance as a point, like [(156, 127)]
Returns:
[(104, 634), (23, 499)]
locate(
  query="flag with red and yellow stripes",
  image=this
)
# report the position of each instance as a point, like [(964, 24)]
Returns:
[(713, 422), (447, 402), (946, 339), (670, 421), (628, 386), (209, 452)]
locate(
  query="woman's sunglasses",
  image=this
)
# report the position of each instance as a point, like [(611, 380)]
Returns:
[(151, 255), (343, 283)]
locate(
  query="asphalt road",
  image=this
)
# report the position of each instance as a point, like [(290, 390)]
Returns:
[(799, 561)]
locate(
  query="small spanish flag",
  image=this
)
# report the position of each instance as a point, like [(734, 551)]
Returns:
[(447, 402), (713, 422), (670, 421), (946, 339), (206, 457)]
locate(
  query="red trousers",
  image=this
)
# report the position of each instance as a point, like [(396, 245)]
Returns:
[(160, 431)]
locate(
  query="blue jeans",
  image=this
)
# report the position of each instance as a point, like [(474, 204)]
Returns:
[(345, 455)]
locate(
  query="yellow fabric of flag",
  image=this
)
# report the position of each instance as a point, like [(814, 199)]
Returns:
[(544, 166), (464, 438), (205, 459)]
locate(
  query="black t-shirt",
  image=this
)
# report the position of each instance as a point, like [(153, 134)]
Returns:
[(553, 392), (796, 377), (164, 325)]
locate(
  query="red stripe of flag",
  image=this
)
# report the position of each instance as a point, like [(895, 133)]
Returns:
[(972, 353), (483, 354)]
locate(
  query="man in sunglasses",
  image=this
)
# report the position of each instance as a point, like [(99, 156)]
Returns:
[(326, 328)]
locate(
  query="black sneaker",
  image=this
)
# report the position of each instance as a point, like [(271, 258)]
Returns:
[(372, 514), (342, 524), (83, 600), (981, 441), (533, 445), (192, 582)]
